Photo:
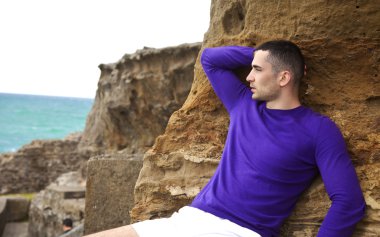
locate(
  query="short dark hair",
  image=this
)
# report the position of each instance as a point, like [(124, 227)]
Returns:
[(285, 55), (67, 222)]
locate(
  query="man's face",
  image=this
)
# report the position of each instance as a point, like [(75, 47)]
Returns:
[(263, 82)]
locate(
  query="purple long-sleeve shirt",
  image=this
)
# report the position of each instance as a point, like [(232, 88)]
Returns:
[(271, 156)]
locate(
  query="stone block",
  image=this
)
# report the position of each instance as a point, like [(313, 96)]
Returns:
[(70, 192), (17, 208), (13, 209), (110, 191), (3, 214)]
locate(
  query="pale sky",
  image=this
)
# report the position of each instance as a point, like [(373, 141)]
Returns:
[(54, 47)]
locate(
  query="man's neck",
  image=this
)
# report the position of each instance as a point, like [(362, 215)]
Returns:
[(284, 103), (287, 99)]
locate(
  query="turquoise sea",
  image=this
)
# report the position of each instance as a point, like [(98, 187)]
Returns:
[(24, 118)]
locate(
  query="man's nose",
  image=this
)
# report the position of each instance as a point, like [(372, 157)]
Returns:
[(250, 77)]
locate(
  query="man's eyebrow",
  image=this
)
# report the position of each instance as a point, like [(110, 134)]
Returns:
[(256, 66)]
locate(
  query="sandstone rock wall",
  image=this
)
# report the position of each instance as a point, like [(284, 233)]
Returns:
[(341, 42), (136, 96)]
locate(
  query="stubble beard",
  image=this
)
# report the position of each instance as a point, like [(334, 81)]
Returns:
[(266, 96)]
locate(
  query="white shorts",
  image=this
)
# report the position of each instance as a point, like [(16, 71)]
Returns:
[(191, 222)]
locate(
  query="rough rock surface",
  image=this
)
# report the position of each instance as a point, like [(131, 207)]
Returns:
[(63, 198), (341, 43), (136, 96), (109, 191), (39, 163), (16, 229)]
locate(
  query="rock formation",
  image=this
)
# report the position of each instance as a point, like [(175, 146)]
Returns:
[(63, 198), (134, 100), (35, 165), (341, 42), (136, 96)]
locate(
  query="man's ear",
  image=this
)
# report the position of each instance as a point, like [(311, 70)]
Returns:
[(285, 78)]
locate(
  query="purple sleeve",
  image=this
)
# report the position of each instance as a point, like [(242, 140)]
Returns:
[(219, 63), (341, 182)]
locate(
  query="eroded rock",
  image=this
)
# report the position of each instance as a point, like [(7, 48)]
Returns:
[(136, 97), (35, 165)]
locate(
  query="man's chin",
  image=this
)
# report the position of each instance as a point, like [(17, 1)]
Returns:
[(255, 97)]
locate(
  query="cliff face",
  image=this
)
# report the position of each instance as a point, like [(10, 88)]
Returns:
[(341, 44), (136, 96)]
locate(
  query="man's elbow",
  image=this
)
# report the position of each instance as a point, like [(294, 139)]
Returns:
[(361, 209), (356, 205), (205, 56), (360, 204)]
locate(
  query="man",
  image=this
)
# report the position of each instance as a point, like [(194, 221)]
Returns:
[(67, 225), (274, 149)]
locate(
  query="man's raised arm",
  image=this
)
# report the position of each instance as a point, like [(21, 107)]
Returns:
[(219, 63)]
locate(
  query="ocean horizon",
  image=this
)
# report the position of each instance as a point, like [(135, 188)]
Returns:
[(24, 118)]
